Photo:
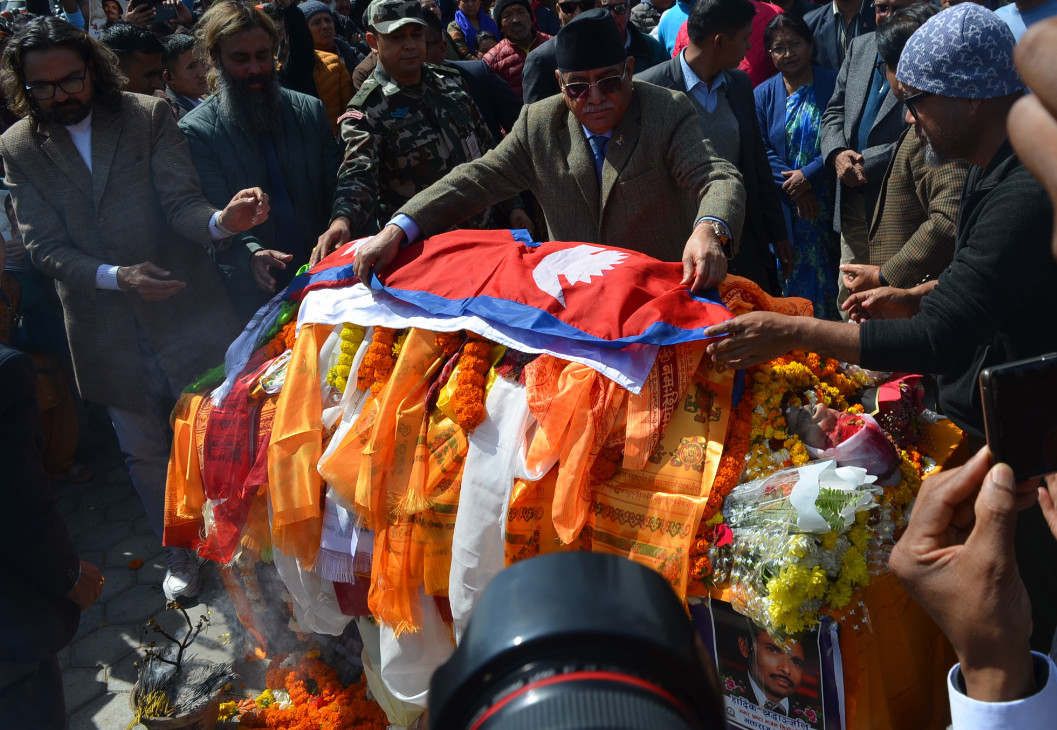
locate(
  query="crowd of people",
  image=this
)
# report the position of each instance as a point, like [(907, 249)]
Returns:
[(170, 167)]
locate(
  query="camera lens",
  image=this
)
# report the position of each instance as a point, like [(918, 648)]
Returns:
[(571, 641)]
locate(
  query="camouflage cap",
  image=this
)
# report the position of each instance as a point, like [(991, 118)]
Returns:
[(386, 16)]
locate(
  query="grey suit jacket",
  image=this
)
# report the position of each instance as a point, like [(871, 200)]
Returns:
[(140, 202), (842, 115), (658, 179), (764, 222)]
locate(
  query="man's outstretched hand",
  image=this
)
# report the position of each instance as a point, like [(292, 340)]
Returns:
[(150, 282), (248, 208)]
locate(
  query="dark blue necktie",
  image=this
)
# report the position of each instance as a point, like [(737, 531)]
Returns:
[(875, 97), (288, 236), (598, 146)]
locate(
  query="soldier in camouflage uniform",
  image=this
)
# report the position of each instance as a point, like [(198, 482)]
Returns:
[(409, 125)]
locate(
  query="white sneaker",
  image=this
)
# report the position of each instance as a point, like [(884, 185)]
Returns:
[(181, 579)]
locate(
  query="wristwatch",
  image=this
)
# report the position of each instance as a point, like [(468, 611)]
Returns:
[(724, 239)]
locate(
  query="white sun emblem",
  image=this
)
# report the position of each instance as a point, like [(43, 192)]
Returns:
[(577, 265)]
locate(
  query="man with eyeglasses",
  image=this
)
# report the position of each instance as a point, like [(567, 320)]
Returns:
[(912, 228), (110, 207), (707, 70), (610, 161), (860, 130), (539, 78)]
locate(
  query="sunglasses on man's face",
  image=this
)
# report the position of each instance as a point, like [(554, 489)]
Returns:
[(571, 6), (616, 8), (608, 85)]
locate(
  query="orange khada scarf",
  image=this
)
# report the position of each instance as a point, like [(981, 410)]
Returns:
[(184, 492), (396, 481), (575, 408), (646, 505), (294, 451)]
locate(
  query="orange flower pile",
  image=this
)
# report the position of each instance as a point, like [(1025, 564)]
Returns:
[(470, 373), (448, 342), (828, 372), (378, 362), (318, 701), (284, 339)]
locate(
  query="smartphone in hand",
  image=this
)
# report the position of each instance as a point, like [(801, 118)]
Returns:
[(1020, 414)]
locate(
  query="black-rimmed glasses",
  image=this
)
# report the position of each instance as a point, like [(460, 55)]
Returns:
[(616, 8), (911, 101), (69, 85), (608, 85)]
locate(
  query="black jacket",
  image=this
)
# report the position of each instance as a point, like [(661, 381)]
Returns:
[(42, 563), (992, 304)]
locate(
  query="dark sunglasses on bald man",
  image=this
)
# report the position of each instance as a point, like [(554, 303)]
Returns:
[(571, 6)]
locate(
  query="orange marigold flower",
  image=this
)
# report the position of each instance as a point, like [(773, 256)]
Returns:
[(469, 379)]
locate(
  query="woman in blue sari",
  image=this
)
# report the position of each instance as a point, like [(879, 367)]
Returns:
[(790, 106)]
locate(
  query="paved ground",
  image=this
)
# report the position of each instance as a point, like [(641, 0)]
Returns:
[(108, 526)]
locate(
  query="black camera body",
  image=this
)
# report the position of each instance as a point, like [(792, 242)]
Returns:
[(577, 640)]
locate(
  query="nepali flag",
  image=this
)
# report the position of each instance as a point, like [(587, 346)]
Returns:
[(604, 295)]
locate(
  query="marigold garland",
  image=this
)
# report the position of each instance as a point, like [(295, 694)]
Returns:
[(910, 470), (380, 359), (351, 339), (448, 342), (468, 398), (318, 700), (283, 340)]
